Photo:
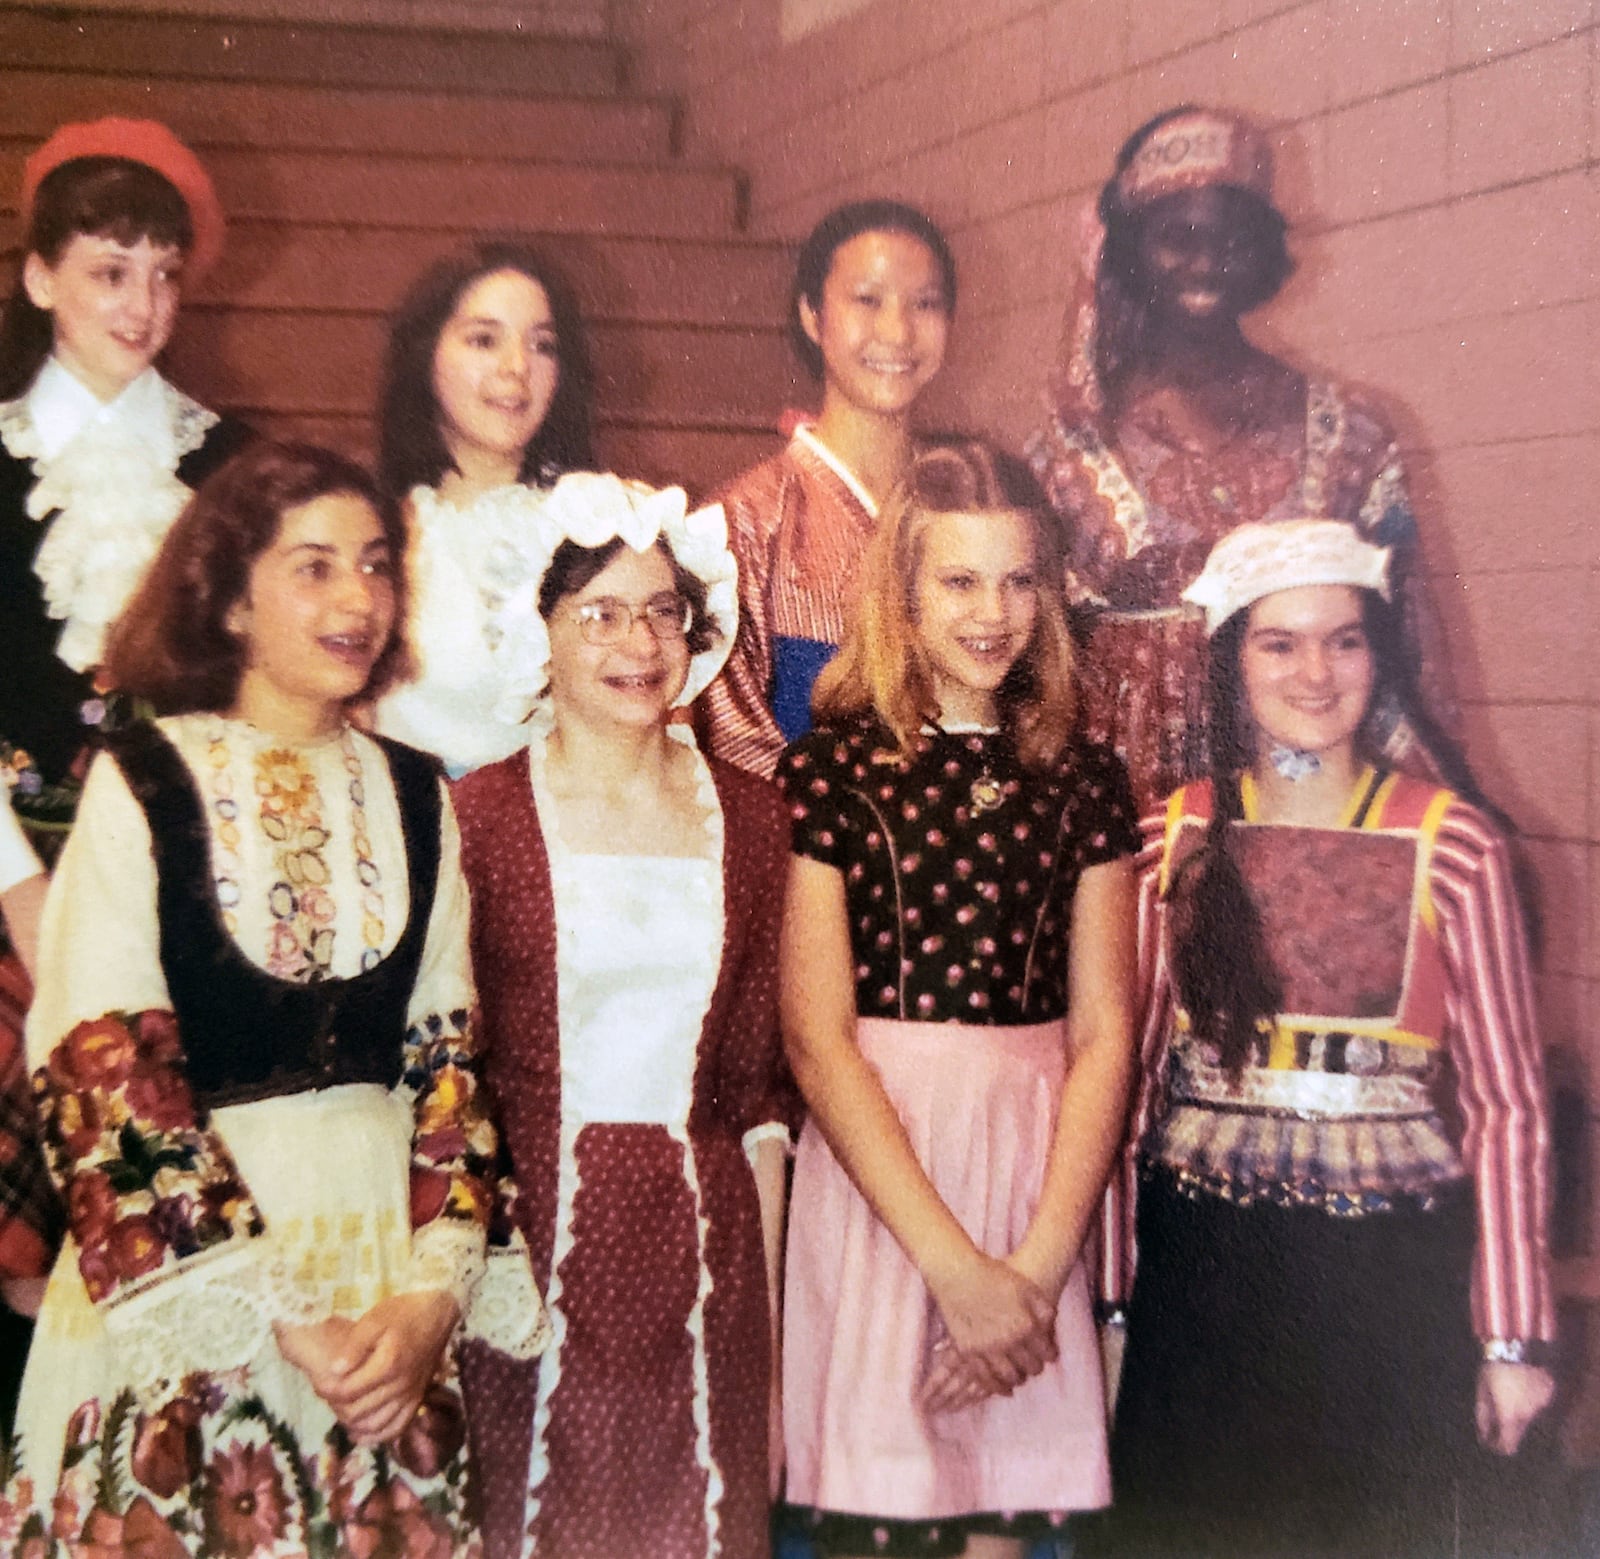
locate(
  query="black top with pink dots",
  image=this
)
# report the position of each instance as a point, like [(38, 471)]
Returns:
[(959, 864)]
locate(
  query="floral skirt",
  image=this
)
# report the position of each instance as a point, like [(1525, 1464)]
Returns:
[(242, 1460)]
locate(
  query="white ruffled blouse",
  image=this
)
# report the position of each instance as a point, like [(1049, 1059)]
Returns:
[(111, 469), (455, 704)]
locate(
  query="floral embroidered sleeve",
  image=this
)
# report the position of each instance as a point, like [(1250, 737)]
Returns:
[(464, 1240), (165, 1231)]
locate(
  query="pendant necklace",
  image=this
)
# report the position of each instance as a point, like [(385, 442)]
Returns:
[(986, 792)]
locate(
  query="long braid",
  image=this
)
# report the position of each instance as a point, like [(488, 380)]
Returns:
[(1224, 975)]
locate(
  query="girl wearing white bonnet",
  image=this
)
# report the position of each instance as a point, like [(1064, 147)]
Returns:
[(626, 893), (1341, 1314)]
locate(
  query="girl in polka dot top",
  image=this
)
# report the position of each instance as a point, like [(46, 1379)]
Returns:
[(956, 1005)]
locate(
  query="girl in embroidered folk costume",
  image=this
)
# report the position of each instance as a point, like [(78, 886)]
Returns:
[(1168, 427), (956, 1003), (254, 1063), (1339, 1144), (626, 896), (98, 453), (485, 401), (874, 292)]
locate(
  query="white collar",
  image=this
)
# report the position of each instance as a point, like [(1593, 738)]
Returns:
[(805, 435), (61, 406)]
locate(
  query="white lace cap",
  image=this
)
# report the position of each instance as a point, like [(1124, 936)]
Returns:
[(1260, 559), (590, 508)]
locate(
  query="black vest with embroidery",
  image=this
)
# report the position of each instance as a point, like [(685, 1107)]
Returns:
[(246, 1033)]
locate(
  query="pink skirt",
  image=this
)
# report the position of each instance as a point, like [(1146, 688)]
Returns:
[(979, 1105)]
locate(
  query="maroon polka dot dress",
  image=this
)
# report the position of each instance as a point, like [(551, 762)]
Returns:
[(960, 868), (650, 1433)]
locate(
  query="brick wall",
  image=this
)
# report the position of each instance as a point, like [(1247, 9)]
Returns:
[(1439, 160), (568, 18)]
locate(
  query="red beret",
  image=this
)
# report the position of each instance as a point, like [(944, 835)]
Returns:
[(137, 140)]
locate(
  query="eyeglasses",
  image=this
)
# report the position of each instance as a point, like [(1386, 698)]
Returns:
[(609, 620)]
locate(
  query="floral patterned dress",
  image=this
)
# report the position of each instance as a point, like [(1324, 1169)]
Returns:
[(229, 1164)]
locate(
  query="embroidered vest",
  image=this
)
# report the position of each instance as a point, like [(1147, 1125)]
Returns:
[(247, 1034)]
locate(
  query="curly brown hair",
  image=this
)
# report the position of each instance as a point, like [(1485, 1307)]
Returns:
[(172, 645)]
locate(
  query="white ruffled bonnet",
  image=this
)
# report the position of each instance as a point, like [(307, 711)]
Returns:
[(590, 508), (1262, 558)]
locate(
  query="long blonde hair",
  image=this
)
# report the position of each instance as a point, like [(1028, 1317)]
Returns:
[(881, 667)]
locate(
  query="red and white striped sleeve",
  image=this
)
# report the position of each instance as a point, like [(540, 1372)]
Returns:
[(1494, 1044), (1153, 1024), (739, 717)]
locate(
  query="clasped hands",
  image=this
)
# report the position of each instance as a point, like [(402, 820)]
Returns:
[(373, 1370), (999, 1331)]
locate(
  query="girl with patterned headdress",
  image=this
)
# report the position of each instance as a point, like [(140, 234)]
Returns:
[(957, 1010), (98, 454), (1167, 427), (626, 894), (1339, 1157), (874, 293), (484, 403), (253, 1055)]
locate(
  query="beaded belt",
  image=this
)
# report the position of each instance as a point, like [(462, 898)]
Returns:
[(1314, 1096)]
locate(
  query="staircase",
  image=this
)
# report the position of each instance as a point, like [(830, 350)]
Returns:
[(348, 158)]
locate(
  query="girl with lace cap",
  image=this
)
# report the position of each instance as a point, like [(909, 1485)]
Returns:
[(1167, 427), (874, 294), (1339, 1153), (626, 894), (253, 1055), (98, 453), (957, 982), (484, 403)]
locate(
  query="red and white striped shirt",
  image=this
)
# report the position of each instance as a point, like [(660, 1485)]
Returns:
[(798, 525), (1462, 989)]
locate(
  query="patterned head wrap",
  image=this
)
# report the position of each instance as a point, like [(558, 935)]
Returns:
[(143, 141), (1193, 151), (590, 508), (1259, 560)]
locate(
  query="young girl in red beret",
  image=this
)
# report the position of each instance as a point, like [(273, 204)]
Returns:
[(98, 453)]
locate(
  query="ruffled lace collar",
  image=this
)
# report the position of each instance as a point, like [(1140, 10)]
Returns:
[(114, 496)]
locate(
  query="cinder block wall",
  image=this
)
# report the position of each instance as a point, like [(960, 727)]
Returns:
[(1438, 158)]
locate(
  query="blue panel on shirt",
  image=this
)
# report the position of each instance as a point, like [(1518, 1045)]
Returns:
[(795, 664)]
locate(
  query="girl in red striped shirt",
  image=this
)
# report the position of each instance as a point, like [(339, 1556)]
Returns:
[(1339, 1149)]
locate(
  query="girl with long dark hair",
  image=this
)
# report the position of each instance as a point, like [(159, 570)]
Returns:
[(1339, 1152), (484, 403)]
